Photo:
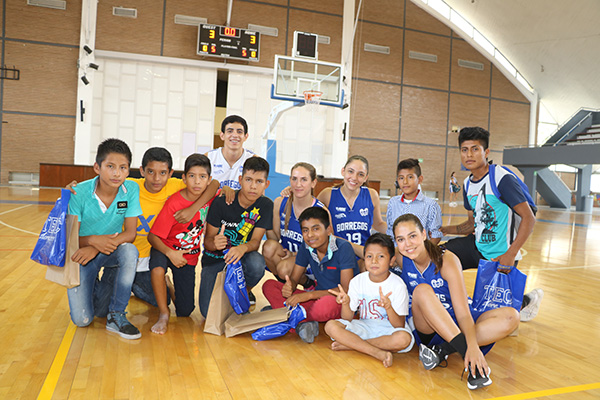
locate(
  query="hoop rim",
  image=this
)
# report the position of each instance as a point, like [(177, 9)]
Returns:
[(312, 96)]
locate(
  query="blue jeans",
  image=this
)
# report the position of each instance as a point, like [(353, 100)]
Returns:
[(84, 298), (142, 288), (253, 264)]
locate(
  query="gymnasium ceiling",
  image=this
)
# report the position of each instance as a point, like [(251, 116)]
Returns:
[(555, 45)]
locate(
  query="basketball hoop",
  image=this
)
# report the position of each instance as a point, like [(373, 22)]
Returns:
[(312, 98)]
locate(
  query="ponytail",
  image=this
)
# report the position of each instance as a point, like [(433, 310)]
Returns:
[(288, 211), (435, 254)]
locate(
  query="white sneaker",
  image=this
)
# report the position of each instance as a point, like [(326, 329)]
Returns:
[(530, 311)]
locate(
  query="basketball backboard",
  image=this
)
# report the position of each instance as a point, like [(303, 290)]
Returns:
[(293, 76)]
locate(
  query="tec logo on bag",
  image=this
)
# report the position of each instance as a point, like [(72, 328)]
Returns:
[(498, 295)]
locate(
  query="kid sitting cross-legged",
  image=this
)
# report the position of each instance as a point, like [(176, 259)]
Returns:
[(332, 261), (383, 302), (177, 245)]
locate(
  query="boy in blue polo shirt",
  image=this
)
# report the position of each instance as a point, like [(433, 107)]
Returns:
[(332, 261), (107, 208)]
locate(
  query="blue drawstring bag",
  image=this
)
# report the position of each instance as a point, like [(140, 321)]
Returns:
[(51, 247), (235, 287), (495, 289), (297, 314)]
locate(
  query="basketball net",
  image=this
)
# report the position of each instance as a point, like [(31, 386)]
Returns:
[(312, 99)]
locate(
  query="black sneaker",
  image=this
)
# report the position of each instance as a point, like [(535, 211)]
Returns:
[(432, 357), (478, 381), (308, 331), (251, 298), (118, 323)]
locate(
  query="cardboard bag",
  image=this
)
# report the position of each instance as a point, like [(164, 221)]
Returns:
[(237, 324), (219, 308), (67, 276)]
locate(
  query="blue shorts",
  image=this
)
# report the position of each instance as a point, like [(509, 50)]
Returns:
[(374, 328)]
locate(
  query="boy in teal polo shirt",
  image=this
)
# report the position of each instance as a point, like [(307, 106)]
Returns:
[(107, 208)]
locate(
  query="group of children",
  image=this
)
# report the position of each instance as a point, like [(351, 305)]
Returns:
[(138, 228)]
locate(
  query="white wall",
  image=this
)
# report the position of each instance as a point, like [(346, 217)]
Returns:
[(150, 104), (159, 101)]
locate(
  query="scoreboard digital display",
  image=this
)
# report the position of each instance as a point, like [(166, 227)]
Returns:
[(228, 42)]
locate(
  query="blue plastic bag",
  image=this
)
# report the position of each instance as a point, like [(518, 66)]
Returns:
[(51, 247), (494, 289), (297, 314), (235, 287)]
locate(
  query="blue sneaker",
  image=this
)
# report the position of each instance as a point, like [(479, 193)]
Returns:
[(117, 322)]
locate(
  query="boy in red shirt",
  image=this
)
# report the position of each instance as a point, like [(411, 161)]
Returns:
[(177, 245)]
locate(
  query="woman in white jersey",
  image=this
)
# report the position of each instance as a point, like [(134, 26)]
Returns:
[(284, 240), (354, 208)]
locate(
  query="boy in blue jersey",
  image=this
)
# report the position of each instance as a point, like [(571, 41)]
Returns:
[(107, 208), (496, 228), (413, 201)]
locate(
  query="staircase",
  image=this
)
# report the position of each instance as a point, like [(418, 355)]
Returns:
[(575, 143)]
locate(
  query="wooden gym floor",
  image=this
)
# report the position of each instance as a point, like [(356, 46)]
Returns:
[(43, 355)]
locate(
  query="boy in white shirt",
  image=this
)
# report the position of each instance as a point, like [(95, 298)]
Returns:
[(227, 161), (383, 301)]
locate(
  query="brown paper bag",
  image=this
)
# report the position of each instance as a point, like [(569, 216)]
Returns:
[(237, 324), (219, 308), (67, 276)]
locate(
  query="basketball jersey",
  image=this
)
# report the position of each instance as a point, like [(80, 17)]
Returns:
[(353, 224), (221, 171), (291, 239), (412, 277)]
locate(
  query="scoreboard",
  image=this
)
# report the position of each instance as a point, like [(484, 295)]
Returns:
[(228, 42)]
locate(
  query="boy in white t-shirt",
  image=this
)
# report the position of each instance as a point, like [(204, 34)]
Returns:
[(383, 302), (228, 161)]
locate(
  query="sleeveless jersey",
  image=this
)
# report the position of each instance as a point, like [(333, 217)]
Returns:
[(227, 176), (353, 224), (291, 239), (412, 277)]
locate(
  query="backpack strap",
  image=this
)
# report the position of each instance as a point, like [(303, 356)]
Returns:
[(493, 185)]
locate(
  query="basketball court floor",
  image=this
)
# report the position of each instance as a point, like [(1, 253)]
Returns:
[(43, 355)]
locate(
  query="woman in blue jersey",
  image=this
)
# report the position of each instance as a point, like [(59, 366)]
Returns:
[(442, 319), (284, 240), (354, 208)]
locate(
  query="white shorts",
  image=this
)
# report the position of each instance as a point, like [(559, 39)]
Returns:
[(374, 328)]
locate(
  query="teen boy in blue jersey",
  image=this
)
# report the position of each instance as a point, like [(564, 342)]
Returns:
[(107, 208), (496, 228)]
